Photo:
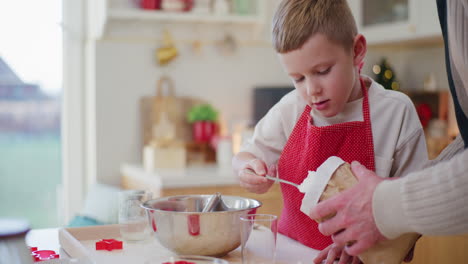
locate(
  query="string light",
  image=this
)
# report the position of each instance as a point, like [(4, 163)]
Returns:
[(376, 69)]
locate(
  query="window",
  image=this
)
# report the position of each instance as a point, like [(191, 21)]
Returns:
[(30, 110)]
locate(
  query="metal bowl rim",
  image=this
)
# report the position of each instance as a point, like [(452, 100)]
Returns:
[(199, 257), (145, 206)]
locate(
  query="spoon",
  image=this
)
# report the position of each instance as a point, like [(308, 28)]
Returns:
[(276, 179), (283, 181), (215, 203)]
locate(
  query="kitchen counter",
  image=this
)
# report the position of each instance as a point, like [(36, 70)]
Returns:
[(207, 175), (197, 180)]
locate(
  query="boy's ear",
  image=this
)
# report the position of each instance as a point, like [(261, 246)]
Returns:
[(359, 49)]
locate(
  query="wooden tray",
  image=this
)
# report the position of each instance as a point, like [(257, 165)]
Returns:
[(80, 243)]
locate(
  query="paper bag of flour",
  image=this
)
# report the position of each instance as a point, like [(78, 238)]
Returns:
[(335, 176)]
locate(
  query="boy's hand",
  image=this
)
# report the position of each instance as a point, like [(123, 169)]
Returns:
[(335, 252), (252, 176)]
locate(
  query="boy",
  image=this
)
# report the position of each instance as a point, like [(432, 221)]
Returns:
[(332, 112)]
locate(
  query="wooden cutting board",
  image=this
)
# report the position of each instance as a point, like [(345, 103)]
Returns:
[(176, 108)]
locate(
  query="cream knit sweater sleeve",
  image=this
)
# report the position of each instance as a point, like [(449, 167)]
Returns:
[(434, 201)]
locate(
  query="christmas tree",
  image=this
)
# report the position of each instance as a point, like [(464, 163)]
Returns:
[(385, 75)]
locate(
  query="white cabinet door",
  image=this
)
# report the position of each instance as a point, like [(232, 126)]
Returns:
[(387, 21), (429, 25)]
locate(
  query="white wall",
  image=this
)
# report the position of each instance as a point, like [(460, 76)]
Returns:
[(411, 63), (127, 71)]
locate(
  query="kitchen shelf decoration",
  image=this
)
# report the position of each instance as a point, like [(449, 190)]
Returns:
[(217, 7), (204, 122), (166, 132), (165, 149), (168, 51), (105, 13), (385, 75), (144, 15)]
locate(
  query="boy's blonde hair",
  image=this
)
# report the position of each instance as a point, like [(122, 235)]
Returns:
[(295, 21)]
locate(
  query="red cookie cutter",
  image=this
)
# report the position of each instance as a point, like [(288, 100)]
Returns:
[(109, 244), (179, 262), (41, 255)]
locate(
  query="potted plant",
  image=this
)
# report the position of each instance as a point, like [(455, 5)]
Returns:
[(203, 118)]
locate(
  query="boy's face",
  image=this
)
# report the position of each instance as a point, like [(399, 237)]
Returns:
[(324, 74)]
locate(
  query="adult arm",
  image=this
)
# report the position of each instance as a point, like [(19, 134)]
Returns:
[(430, 202)]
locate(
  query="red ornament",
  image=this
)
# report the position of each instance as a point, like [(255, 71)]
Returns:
[(425, 113), (150, 4), (188, 5), (109, 244), (179, 262)]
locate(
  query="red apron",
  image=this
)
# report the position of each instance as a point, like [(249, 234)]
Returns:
[(307, 148)]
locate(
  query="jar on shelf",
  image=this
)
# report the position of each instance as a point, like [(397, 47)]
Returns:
[(202, 7), (177, 5), (126, 3), (150, 4), (242, 7), (221, 7)]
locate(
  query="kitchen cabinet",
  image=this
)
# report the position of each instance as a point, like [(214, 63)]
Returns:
[(104, 14), (391, 21), (441, 249)]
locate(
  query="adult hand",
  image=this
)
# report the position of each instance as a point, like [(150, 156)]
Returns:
[(354, 224), (334, 252), (252, 178)]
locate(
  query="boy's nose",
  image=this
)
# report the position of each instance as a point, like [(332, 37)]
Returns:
[(313, 89)]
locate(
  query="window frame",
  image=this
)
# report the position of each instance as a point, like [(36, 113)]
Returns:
[(75, 116)]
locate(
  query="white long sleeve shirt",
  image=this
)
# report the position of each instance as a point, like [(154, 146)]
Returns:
[(434, 201), (398, 137)]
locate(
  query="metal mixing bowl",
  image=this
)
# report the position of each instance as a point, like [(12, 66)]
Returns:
[(180, 226)]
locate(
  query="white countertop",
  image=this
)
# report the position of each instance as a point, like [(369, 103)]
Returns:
[(208, 175)]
